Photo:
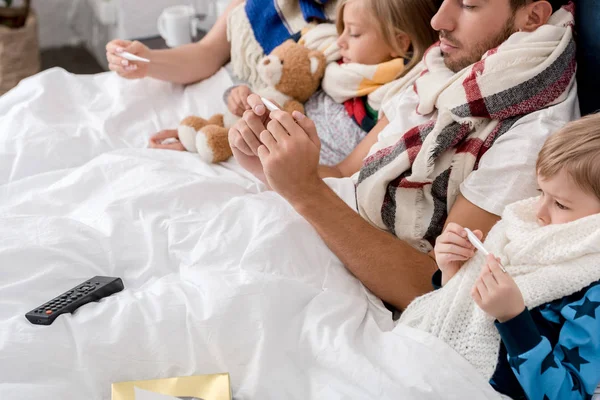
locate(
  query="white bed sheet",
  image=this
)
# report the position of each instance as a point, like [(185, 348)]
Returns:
[(220, 275)]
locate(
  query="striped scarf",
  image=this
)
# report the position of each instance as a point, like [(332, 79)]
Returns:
[(361, 113), (361, 88), (407, 188), (269, 23), (347, 81), (256, 27)]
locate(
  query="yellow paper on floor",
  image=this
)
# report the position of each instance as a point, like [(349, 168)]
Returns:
[(202, 387)]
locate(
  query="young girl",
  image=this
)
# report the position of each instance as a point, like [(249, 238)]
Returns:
[(533, 330), (379, 41)]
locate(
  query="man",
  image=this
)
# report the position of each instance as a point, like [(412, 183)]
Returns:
[(408, 187)]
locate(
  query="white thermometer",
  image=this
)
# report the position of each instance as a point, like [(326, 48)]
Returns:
[(269, 104), (133, 57), (478, 245)]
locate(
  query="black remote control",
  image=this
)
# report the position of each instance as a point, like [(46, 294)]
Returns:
[(91, 290)]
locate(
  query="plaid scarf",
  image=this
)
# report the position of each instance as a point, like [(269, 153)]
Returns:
[(407, 188)]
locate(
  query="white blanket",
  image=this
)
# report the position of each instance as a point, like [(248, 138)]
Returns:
[(220, 276)]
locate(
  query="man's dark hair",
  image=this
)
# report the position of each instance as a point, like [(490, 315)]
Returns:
[(556, 4)]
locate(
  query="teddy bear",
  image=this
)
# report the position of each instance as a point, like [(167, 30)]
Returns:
[(292, 74)]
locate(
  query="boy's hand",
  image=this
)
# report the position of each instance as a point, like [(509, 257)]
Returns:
[(237, 102), (452, 249), (496, 292)]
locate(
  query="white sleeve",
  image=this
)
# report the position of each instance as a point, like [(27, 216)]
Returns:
[(506, 171)]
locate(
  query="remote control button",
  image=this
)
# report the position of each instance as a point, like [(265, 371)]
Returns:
[(48, 312)]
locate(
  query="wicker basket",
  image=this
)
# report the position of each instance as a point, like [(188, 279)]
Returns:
[(19, 52), (15, 17)]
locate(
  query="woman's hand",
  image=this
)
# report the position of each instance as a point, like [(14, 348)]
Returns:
[(125, 68), (497, 293), (237, 102), (452, 249)]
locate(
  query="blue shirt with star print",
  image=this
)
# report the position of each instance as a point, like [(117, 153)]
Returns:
[(553, 351)]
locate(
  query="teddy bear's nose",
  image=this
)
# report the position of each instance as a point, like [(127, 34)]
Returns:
[(266, 61)]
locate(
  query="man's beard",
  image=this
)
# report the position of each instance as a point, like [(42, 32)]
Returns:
[(480, 48)]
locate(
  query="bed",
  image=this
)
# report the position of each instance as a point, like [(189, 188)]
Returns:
[(220, 275)]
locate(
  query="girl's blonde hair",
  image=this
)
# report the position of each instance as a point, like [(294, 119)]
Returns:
[(394, 17), (576, 150)]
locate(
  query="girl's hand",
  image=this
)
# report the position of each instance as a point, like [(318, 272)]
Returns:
[(244, 135), (237, 102), (496, 292), (452, 249), (125, 68), (167, 139)]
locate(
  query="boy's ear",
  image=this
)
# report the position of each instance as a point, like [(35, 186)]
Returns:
[(533, 15)]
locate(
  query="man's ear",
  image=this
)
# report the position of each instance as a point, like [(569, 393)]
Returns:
[(533, 15)]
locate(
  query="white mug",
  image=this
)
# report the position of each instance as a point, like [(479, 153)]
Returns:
[(177, 25)]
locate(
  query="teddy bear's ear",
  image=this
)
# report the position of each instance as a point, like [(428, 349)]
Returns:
[(316, 62), (287, 43), (314, 65)]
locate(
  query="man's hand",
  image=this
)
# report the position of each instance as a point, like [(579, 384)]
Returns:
[(244, 135), (452, 249), (157, 141), (237, 101), (496, 292), (290, 154)]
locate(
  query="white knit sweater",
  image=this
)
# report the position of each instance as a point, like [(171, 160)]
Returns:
[(547, 263)]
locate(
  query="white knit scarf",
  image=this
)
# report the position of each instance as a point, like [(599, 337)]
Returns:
[(407, 188), (547, 263)]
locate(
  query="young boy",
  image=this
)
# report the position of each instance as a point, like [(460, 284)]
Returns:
[(534, 330)]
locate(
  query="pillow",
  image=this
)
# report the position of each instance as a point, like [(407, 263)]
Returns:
[(587, 23)]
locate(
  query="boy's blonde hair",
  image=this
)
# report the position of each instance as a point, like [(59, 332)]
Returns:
[(576, 149), (393, 17)]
